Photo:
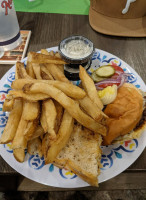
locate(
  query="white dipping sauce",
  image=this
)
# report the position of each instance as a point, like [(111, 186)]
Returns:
[(76, 49)]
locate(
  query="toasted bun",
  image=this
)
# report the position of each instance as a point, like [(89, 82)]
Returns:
[(135, 134), (124, 114)]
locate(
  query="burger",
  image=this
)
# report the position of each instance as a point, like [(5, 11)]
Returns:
[(127, 115)]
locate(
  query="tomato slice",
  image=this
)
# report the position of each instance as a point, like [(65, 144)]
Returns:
[(104, 85), (118, 71), (117, 68)]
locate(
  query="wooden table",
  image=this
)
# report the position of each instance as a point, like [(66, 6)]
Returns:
[(47, 31)]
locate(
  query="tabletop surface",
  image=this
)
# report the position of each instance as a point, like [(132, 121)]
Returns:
[(49, 29)]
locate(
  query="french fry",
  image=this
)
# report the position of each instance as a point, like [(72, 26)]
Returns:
[(57, 55), (45, 74), (56, 73), (18, 70), (37, 70), (29, 67), (44, 51), (12, 123), (30, 129), (29, 97), (21, 72), (46, 142), (62, 137), (39, 131), (28, 106), (51, 53), (68, 88), (92, 109), (89, 87), (19, 154), (61, 67), (19, 140), (69, 104), (42, 58), (19, 84), (35, 147), (8, 103), (42, 136), (24, 74), (50, 112), (43, 120), (24, 131), (59, 110), (31, 110)]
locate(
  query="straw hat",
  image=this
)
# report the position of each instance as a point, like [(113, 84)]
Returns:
[(118, 17)]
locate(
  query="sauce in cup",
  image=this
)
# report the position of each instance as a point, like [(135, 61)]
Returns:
[(76, 50)]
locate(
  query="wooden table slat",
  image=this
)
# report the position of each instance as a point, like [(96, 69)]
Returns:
[(120, 182)]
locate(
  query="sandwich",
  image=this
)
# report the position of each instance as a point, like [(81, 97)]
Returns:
[(82, 154), (127, 115)]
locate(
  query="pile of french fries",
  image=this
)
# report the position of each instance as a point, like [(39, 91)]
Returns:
[(44, 106)]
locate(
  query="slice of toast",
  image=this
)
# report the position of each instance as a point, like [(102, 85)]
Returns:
[(82, 155)]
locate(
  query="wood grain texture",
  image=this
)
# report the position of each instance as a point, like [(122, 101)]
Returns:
[(8, 182), (5, 168), (120, 182), (49, 29)]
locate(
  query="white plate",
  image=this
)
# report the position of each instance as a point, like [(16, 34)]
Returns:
[(115, 158)]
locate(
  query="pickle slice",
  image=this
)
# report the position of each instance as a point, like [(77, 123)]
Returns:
[(96, 78), (105, 71)]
